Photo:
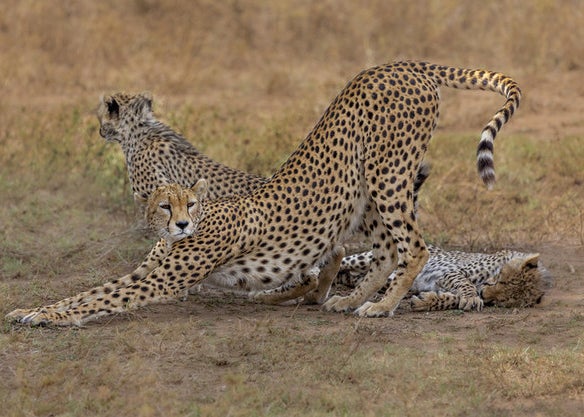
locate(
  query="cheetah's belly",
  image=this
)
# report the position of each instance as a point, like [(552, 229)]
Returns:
[(252, 275)]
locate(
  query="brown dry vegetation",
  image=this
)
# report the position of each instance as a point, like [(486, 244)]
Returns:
[(245, 81)]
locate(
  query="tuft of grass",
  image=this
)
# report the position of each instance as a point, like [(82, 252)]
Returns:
[(527, 373), (534, 199)]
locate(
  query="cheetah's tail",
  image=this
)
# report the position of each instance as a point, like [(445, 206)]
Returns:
[(479, 80)]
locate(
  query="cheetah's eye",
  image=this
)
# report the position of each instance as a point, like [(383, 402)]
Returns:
[(164, 206), (190, 204)]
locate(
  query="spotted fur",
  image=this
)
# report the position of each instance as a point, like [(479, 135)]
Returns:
[(355, 168)]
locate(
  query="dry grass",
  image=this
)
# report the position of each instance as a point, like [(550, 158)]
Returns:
[(286, 363), (537, 198), (245, 81), (193, 48)]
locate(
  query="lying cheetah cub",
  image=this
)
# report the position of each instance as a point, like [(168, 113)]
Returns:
[(466, 281), (462, 280)]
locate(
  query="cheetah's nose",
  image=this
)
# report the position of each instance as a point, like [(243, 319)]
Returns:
[(182, 224)]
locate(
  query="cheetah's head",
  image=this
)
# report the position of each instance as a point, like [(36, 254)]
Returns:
[(119, 111), (174, 212), (521, 283)]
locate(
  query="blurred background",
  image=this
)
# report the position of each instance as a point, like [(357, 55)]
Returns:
[(245, 81), (73, 48)]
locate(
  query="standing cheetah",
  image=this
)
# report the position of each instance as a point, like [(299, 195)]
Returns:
[(356, 167)]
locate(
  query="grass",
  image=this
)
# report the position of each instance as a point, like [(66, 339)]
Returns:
[(261, 366), (245, 83), (538, 204), (262, 369)]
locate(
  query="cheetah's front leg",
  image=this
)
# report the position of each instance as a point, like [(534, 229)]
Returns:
[(146, 291), (382, 263), (397, 288), (152, 261), (160, 285), (370, 284)]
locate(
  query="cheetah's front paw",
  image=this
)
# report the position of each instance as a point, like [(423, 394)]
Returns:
[(19, 314), (470, 303), (425, 301), (45, 318), (39, 317), (36, 317), (338, 304), (370, 309)]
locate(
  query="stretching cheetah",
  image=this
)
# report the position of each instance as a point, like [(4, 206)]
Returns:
[(355, 168), (449, 280)]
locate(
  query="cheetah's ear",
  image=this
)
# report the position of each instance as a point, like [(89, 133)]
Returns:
[(200, 189), (530, 261), (113, 108), (146, 97)]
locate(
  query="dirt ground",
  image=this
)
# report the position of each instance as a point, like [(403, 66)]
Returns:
[(246, 330), (552, 109)]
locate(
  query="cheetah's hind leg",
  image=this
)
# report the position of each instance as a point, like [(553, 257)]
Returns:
[(288, 291), (411, 260), (383, 261), (325, 277)]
